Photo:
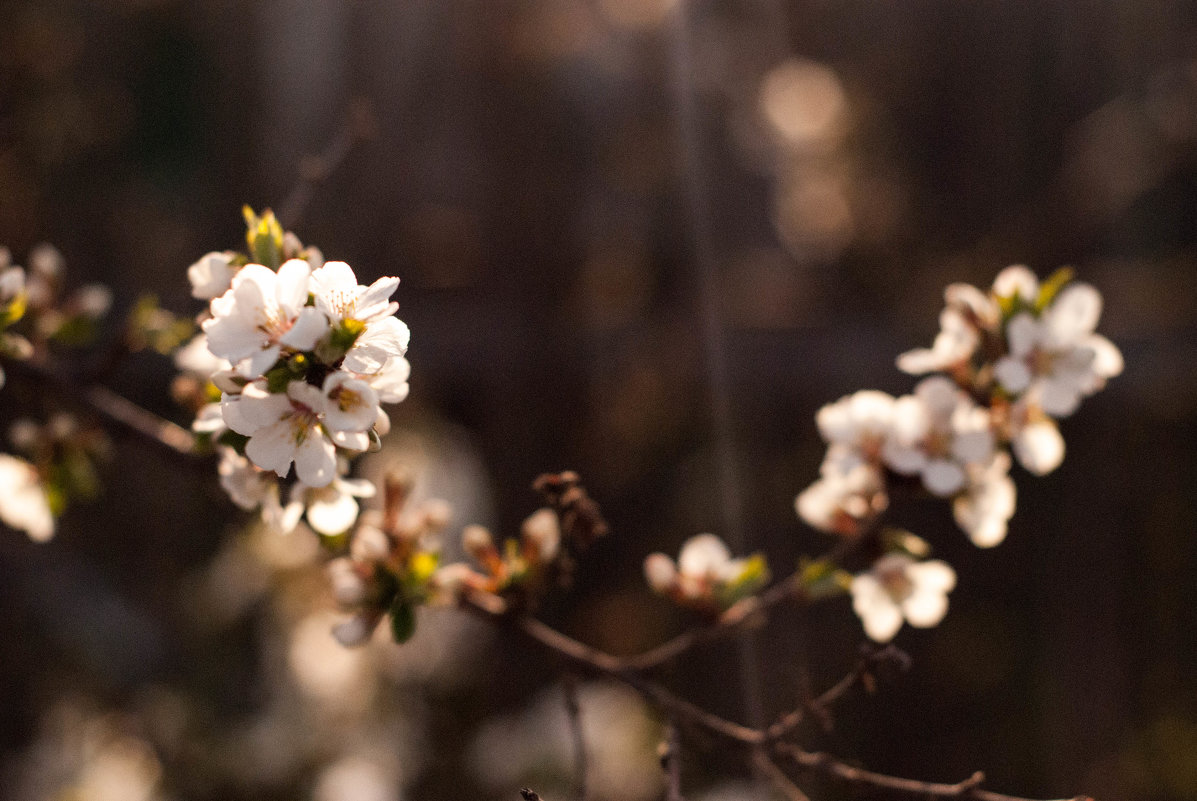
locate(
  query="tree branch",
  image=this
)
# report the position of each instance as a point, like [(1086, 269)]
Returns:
[(110, 407), (828, 765), (679, 709)]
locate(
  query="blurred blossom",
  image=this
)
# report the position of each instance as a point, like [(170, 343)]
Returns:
[(85, 755), (620, 737), (804, 104), (23, 501), (445, 652), (735, 791), (324, 669), (898, 588), (812, 214), (615, 284), (553, 31), (356, 778), (636, 15)]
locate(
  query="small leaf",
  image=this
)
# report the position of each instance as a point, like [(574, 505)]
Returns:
[(403, 619), (1052, 286)]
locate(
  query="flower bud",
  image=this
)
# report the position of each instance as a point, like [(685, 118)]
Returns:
[(355, 631), (370, 544), (349, 588), (542, 531), (660, 572)]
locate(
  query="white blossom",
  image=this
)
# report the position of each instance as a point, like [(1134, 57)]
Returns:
[(1018, 282), (1039, 446), (937, 432), (984, 509), (284, 428), (23, 502), (705, 573), (390, 381), (262, 312), (381, 342), (968, 312), (340, 297), (211, 275), (1056, 358), (332, 509), (898, 588), (842, 501), (351, 404), (856, 426)]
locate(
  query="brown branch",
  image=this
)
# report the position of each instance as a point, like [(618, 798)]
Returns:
[(828, 765), (314, 169), (737, 615), (679, 709), (861, 674), (110, 407)]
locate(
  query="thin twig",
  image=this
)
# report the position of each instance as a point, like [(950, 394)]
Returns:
[(314, 169), (820, 705), (112, 408), (828, 765), (573, 710), (679, 709), (737, 615)]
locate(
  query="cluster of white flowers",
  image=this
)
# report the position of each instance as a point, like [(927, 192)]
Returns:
[(303, 357), (1012, 360), (705, 576)]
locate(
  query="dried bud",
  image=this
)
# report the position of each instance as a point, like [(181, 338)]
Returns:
[(349, 587), (356, 630), (542, 531), (479, 543), (661, 573)]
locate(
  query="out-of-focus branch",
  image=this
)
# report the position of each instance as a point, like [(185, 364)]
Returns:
[(111, 408), (828, 765), (737, 615), (360, 125)]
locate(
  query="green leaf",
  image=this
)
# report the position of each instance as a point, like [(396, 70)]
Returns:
[(403, 619), (1052, 286)]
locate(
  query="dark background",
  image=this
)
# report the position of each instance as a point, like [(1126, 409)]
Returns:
[(556, 183)]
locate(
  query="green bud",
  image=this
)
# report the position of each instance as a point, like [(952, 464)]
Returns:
[(264, 235), (333, 347)]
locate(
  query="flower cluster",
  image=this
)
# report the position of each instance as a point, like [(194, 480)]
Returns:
[(1009, 362), (705, 577), (303, 356), (390, 567)]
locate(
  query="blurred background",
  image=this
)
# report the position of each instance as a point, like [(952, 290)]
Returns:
[(644, 240)]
